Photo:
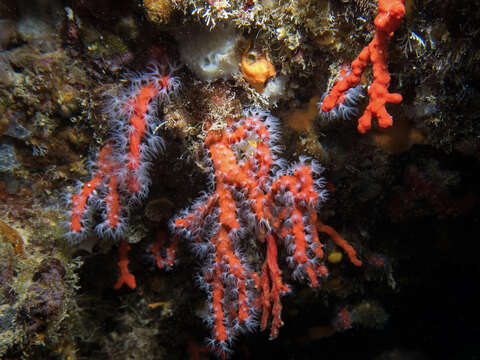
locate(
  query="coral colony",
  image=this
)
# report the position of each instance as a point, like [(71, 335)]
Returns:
[(390, 14), (121, 175), (245, 201)]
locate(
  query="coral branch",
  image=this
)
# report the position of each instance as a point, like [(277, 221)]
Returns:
[(271, 273), (390, 14), (341, 242), (106, 171), (125, 276)]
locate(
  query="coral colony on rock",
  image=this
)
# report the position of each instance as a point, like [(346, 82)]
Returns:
[(215, 107), (120, 175), (244, 201)]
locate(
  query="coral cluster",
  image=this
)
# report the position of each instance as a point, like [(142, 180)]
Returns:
[(246, 201), (122, 164)]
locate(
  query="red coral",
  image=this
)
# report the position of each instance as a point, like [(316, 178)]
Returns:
[(125, 276), (390, 14), (248, 202), (122, 165), (107, 166), (156, 249), (343, 321), (341, 242)]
